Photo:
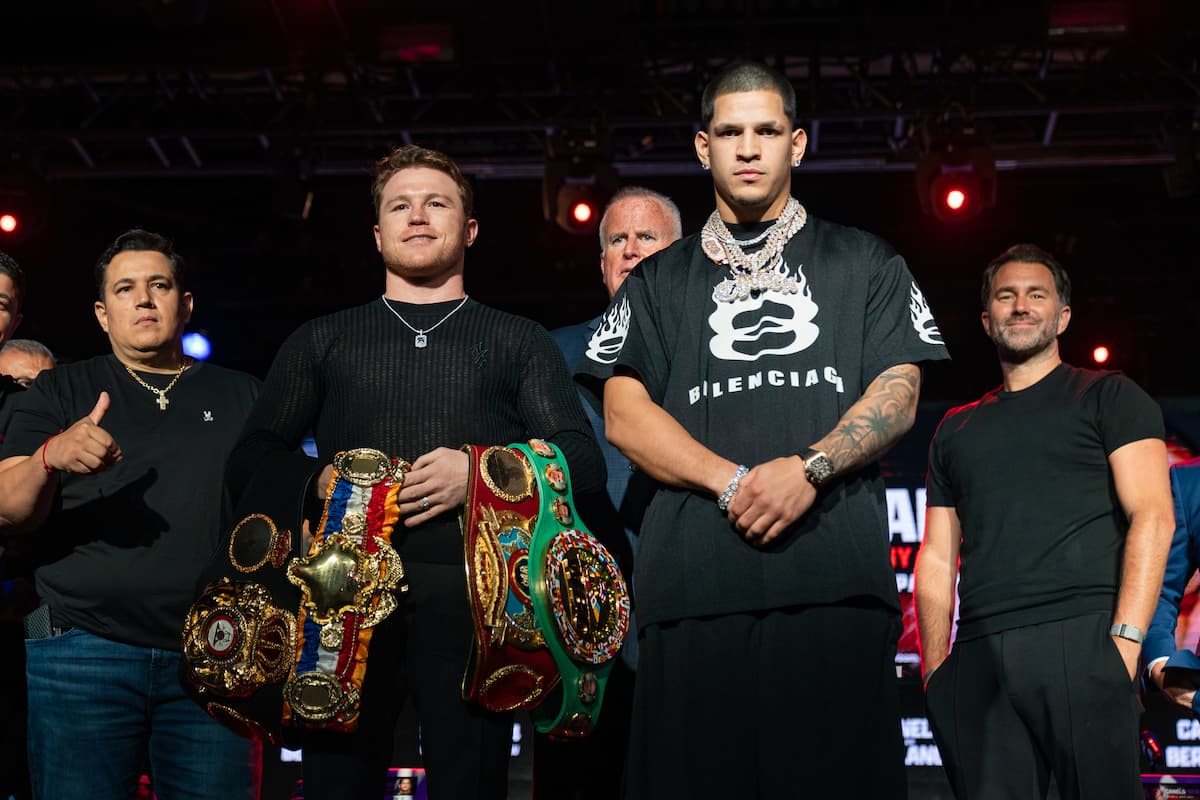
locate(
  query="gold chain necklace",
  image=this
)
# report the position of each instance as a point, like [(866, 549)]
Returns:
[(162, 400)]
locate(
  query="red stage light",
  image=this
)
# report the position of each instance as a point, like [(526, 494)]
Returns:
[(8, 223), (955, 199), (582, 212), (1100, 354)]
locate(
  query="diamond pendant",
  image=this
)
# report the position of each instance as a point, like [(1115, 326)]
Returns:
[(420, 340), (162, 401)]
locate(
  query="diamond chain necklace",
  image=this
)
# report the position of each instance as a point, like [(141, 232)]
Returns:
[(750, 273), (421, 340)]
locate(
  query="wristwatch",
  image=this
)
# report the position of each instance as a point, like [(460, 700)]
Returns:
[(1127, 631), (817, 466)]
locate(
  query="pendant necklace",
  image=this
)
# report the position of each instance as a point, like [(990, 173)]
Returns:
[(162, 400), (421, 339)]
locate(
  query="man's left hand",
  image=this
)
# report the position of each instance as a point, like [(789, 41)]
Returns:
[(771, 497), (436, 483)]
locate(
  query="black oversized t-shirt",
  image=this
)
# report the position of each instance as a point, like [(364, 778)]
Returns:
[(1027, 473), (121, 551), (755, 380)]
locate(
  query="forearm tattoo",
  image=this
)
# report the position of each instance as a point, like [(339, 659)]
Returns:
[(882, 415)]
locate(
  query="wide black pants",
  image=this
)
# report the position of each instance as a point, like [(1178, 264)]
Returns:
[(790, 703), (420, 651), (1009, 709)]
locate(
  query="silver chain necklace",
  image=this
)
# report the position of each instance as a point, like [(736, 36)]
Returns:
[(421, 339), (761, 270)]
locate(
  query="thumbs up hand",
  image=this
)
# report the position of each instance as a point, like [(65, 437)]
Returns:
[(84, 448)]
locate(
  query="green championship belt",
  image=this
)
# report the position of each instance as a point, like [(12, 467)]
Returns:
[(579, 597)]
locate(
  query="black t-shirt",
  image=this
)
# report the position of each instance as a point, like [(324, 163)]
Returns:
[(9, 390), (121, 551), (1027, 473), (755, 380), (355, 379)]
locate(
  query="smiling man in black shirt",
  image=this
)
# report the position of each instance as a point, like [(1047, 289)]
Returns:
[(416, 373)]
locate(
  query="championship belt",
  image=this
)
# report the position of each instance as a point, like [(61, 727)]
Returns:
[(262, 652), (348, 584), (509, 666), (239, 637), (580, 599)]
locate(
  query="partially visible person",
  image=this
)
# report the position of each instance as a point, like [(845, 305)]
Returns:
[(636, 223), (1175, 672), (24, 359), (16, 591), (1051, 492), (112, 470)]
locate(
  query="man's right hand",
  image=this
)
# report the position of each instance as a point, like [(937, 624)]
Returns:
[(1177, 684), (84, 448), (320, 486)]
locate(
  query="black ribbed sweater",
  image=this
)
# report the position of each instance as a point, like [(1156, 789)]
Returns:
[(355, 379)]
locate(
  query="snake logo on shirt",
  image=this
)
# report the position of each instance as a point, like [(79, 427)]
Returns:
[(771, 324), (606, 343)]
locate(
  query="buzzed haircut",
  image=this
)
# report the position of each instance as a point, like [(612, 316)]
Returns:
[(631, 192), (410, 155), (137, 239), (1028, 254), (747, 76), (10, 267)]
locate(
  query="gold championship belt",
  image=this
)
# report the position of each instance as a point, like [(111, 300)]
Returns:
[(509, 666), (550, 605), (348, 582), (277, 643)]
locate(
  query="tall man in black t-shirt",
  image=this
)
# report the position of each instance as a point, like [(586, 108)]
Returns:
[(757, 371), (416, 373), (113, 468), (1051, 492)]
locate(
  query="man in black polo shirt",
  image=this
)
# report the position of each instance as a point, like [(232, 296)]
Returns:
[(113, 467), (1052, 490)]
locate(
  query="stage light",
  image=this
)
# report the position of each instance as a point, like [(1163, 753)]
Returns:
[(956, 175), (578, 180), (9, 223), (582, 212), (197, 346), (1100, 354)]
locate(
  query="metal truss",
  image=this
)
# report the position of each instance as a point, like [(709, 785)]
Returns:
[(1089, 104)]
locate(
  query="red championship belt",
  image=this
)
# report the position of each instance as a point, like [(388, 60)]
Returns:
[(509, 666)]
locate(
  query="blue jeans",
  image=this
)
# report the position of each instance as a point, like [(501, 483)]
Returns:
[(101, 712)]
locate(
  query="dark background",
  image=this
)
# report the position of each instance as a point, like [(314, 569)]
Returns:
[(213, 121)]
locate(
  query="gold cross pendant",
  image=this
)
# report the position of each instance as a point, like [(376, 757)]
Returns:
[(162, 401)]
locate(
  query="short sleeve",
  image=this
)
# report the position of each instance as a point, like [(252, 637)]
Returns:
[(1125, 413), (938, 491), (37, 415), (900, 328), (629, 337)]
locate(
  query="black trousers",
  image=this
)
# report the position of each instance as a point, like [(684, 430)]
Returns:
[(420, 651), (790, 703), (1009, 709), (591, 768)]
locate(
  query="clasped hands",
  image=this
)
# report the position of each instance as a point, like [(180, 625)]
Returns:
[(770, 498)]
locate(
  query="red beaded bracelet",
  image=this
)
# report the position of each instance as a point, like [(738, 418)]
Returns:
[(49, 469)]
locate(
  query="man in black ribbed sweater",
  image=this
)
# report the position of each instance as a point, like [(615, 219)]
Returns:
[(415, 374)]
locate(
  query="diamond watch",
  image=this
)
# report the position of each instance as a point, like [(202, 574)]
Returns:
[(817, 466)]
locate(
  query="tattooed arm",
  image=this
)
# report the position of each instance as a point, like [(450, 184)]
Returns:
[(776, 494)]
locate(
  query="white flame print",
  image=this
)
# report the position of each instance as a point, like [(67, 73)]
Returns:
[(606, 343), (727, 335), (922, 317)]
